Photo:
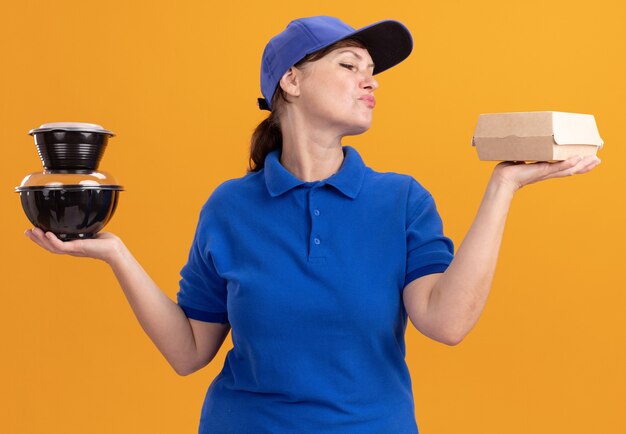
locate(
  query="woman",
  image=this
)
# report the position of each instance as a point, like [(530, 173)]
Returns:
[(315, 260)]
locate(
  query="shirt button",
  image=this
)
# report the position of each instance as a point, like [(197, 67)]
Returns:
[(316, 212), (316, 240)]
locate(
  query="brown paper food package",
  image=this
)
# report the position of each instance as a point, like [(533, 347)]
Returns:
[(535, 136)]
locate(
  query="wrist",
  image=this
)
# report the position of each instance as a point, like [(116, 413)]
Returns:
[(118, 253), (501, 188), (502, 185)]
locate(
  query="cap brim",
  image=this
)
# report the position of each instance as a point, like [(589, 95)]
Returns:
[(389, 42)]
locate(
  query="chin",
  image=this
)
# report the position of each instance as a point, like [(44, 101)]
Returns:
[(358, 129)]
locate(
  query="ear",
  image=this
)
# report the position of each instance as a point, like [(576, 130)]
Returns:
[(290, 82)]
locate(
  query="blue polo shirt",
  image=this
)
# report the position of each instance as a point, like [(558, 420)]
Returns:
[(310, 277)]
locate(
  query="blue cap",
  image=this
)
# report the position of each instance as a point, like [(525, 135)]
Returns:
[(388, 42)]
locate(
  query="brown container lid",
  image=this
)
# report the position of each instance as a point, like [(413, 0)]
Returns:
[(69, 180)]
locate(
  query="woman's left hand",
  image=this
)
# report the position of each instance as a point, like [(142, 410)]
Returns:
[(519, 174)]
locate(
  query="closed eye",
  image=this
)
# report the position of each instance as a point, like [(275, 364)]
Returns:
[(347, 65)]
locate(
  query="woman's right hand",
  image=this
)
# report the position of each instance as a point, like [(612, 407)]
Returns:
[(104, 246)]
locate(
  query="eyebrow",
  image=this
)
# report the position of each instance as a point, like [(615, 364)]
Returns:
[(371, 65)]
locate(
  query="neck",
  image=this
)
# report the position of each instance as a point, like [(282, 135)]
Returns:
[(310, 153)]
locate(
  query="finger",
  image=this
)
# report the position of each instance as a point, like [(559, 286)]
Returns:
[(37, 235), (582, 165), (567, 164), (563, 168), (541, 170), (50, 242), (48, 237), (589, 165), (69, 247), (29, 234)]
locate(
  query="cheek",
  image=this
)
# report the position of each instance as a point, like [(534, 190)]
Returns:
[(330, 97), (327, 99), (340, 97)]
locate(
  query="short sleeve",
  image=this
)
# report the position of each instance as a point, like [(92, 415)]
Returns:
[(202, 293), (428, 249)]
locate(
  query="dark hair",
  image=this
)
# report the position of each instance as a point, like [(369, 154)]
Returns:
[(267, 136)]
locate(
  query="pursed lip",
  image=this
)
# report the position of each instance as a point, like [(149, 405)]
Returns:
[(369, 100)]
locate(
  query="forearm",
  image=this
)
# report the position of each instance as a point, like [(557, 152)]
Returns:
[(160, 317), (459, 296)]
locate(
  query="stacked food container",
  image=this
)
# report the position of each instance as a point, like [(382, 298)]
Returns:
[(70, 198)]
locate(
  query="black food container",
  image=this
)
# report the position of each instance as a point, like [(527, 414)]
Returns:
[(70, 145), (70, 198)]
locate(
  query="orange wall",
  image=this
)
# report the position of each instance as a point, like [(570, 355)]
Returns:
[(178, 84)]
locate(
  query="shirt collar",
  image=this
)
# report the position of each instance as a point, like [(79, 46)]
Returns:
[(348, 179)]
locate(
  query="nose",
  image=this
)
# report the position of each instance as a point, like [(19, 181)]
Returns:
[(369, 82)]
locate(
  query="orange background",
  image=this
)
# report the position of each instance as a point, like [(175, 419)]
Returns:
[(178, 84)]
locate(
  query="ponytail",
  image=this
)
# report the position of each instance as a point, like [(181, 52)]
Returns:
[(265, 138)]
